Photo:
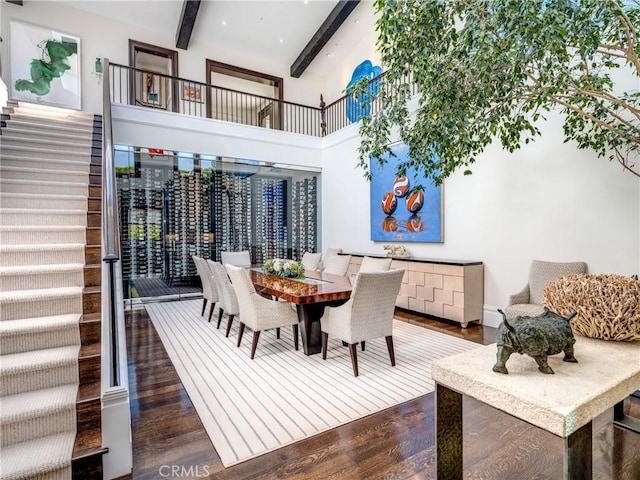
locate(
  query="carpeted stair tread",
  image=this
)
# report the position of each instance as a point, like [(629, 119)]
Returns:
[(34, 247), (37, 234), (16, 363), (52, 122), (59, 211), (58, 175), (10, 328), (16, 131), (19, 185), (45, 161), (40, 269), (39, 403), (38, 333), (44, 458), (41, 254), (41, 202), (34, 216), (43, 196), (73, 143), (26, 152), (38, 294), (30, 108)]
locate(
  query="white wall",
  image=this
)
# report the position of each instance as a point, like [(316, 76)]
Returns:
[(547, 201), (362, 46), (104, 37), (142, 127)]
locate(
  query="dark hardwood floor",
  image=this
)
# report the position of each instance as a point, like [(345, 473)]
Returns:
[(169, 440)]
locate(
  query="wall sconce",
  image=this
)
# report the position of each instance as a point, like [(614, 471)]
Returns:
[(98, 69)]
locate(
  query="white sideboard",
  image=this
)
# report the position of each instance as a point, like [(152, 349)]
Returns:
[(449, 289)]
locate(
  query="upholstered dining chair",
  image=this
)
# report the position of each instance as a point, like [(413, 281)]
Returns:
[(227, 299), (337, 264), (209, 292), (258, 312), (370, 264), (239, 259), (366, 315), (528, 301), (311, 261)]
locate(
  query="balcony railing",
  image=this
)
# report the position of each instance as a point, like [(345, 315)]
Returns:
[(150, 89)]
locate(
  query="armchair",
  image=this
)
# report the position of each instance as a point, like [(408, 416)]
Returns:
[(529, 300)]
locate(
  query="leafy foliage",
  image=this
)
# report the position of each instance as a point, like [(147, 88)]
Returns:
[(490, 69)]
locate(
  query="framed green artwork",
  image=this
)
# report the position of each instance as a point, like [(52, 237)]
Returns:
[(45, 66)]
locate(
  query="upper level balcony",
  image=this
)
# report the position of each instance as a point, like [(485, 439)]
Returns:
[(134, 86)]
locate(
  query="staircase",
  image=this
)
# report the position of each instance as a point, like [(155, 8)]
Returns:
[(49, 294)]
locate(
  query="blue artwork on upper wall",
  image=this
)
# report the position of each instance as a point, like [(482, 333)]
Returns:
[(403, 209), (357, 105)]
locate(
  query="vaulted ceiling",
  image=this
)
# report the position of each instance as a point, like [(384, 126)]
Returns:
[(304, 35)]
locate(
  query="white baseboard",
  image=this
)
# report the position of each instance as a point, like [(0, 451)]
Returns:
[(490, 316)]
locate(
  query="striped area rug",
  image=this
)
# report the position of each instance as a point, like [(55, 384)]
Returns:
[(252, 407)]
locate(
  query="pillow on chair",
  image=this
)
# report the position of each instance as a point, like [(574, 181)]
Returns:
[(337, 264), (370, 264)]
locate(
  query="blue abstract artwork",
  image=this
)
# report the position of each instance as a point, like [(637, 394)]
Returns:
[(404, 209), (358, 105)]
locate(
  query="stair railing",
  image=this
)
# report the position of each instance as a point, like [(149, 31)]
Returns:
[(116, 416)]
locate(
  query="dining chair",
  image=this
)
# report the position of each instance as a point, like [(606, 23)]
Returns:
[(209, 292), (239, 259), (337, 264), (227, 299), (366, 315), (370, 264), (311, 261), (258, 312)]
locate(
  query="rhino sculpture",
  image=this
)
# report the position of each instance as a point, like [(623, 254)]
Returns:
[(538, 337)]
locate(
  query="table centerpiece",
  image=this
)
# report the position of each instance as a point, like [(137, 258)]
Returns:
[(284, 268)]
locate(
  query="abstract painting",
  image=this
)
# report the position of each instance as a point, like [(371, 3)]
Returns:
[(406, 208), (45, 66)]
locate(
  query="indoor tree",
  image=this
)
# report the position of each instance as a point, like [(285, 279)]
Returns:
[(490, 70)]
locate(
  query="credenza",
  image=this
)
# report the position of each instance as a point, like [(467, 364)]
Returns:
[(448, 289)]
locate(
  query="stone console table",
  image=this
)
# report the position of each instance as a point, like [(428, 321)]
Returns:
[(449, 289), (564, 403)]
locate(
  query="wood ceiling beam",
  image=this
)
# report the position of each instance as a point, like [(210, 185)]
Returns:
[(187, 21), (331, 24)]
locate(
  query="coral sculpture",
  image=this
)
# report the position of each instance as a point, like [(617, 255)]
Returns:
[(608, 306)]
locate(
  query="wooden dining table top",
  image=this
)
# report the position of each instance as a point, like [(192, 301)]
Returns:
[(329, 287)]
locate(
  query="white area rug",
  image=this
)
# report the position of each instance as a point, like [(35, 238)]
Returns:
[(252, 407)]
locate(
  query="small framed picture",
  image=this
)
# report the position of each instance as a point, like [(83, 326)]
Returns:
[(191, 92)]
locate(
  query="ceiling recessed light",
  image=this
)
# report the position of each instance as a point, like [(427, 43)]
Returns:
[(224, 22), (329, 54), (282, 40), (357, 20), (305, 1)]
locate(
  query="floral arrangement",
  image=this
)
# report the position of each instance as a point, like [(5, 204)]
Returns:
[(284, 268)]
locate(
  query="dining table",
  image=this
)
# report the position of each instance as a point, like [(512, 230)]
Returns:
[(310, 295)]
